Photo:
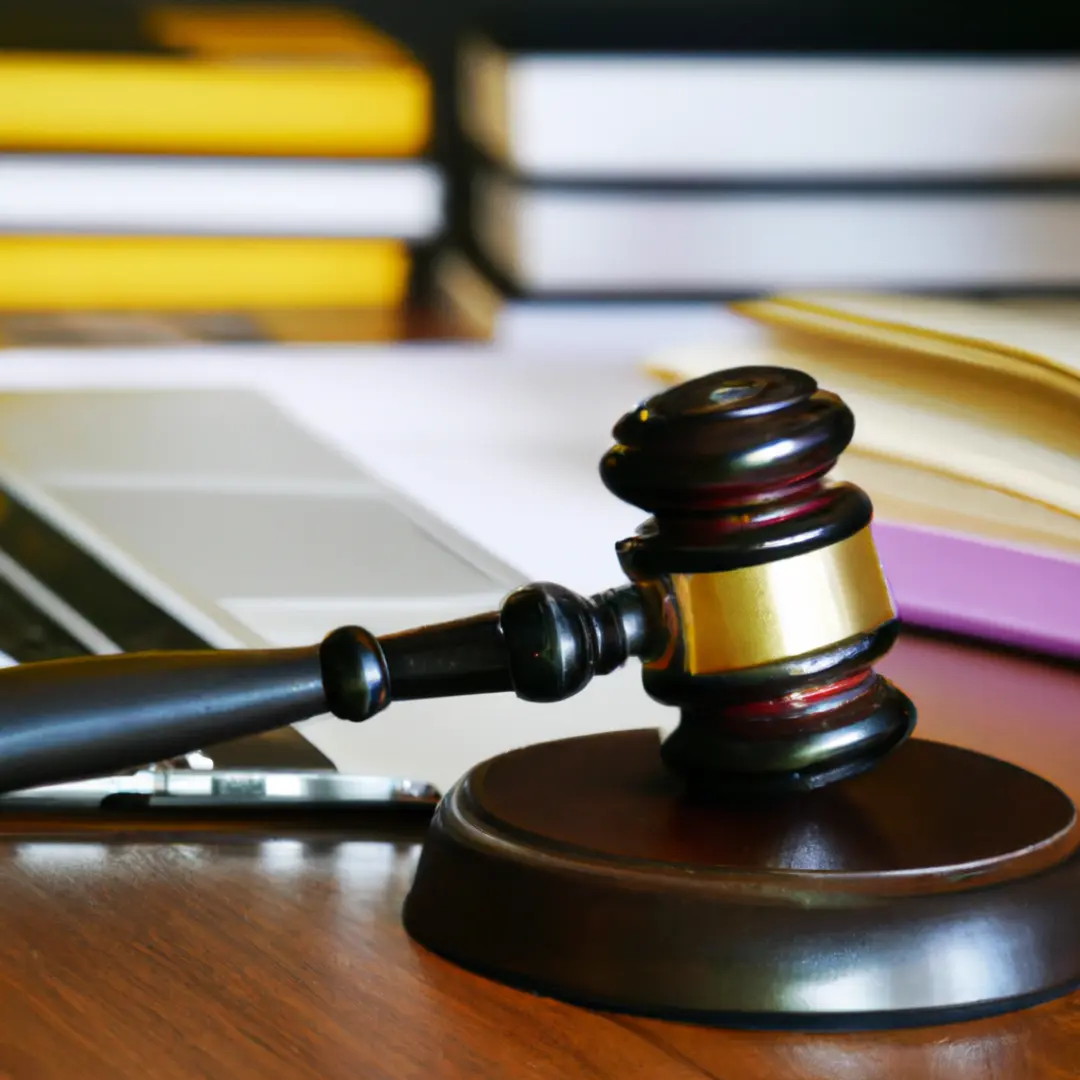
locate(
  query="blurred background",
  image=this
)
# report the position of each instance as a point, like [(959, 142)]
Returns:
[(381, 168)]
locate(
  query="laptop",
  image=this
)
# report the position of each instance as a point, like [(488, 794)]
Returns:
[(221, 516)]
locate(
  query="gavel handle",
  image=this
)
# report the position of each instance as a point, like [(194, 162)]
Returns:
[(64, 720)]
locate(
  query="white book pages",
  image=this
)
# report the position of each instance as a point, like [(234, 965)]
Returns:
[(106, 194), (580, 241), (677, 118)]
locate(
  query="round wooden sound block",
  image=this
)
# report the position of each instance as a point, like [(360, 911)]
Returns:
[(943, 884)]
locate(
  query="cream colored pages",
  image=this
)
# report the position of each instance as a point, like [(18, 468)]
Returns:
[(1016, 333), (1002, 422), (906, 486), (915, 496)]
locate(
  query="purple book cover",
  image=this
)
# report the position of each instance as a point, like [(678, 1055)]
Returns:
[(969, 585)]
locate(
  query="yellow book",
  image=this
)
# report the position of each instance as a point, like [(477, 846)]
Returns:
[(226, 79), (103, 273)]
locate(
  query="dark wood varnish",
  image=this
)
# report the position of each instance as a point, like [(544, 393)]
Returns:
[(944, 883), (220, 955), (733, 470), (731, 467), (929, 808)]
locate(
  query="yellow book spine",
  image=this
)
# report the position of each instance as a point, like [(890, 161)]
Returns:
[(63, 102), (91, 273)]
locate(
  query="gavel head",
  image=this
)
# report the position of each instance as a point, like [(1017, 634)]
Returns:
[(765, 602)]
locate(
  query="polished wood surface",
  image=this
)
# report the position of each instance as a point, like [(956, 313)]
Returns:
[(582, 869), (247, 948)]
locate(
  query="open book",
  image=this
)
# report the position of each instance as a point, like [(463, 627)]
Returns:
[(967, 439)]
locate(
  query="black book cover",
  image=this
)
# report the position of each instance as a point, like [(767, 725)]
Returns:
[(1042, 27), (90, 26)]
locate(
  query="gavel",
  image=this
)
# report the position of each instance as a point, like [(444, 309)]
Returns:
[(786, 855), (756, 604)]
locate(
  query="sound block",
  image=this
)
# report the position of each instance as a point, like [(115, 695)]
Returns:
[(942, 885)]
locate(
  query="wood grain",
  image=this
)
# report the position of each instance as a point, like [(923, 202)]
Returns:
[(273, 958), (202, 950)]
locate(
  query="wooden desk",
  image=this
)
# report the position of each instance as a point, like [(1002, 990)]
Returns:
[(219, 952)]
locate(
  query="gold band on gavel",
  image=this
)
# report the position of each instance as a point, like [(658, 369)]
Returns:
[(756, 615)]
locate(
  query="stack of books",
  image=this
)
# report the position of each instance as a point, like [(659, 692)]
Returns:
[(233, 171), (665, 159)]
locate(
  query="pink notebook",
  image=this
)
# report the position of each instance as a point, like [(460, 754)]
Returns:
[(968, 585)]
